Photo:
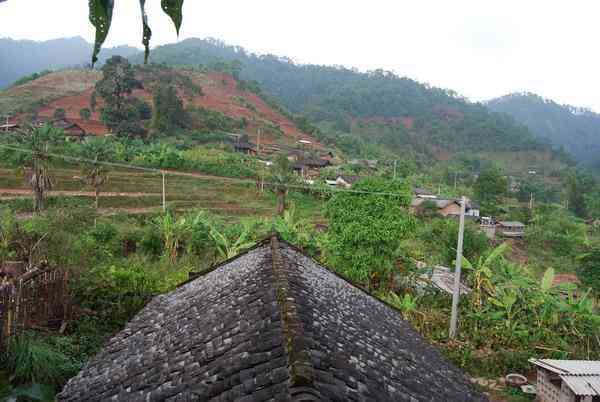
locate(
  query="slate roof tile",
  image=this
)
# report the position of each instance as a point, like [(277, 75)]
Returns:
[(269, 325)]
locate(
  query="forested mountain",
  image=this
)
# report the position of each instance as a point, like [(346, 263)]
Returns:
[(380, 104), (575, 129), (377, 107), (19, 58)]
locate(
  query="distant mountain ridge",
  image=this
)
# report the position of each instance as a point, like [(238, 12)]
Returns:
[(575, 129), (24, 57)]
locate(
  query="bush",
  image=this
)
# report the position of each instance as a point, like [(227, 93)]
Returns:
[(33, 360), (442, 235)]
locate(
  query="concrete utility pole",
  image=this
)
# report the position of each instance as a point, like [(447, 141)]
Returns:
[(395, 162), (459, 250), (164, 193)]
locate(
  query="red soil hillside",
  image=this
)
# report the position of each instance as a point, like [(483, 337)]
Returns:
[(71, 90)]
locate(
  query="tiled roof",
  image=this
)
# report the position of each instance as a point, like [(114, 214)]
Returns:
[(270, 324)]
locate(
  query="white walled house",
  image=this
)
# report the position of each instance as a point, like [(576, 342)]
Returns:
[(567, 380)]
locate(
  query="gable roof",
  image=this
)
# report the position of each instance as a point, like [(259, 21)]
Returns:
[(270, 324)]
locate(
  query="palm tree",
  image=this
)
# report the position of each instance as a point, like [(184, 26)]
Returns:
[(96, 174), (38, 175), (281, 176)]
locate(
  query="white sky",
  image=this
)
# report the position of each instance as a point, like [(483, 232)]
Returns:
[(481, 49)]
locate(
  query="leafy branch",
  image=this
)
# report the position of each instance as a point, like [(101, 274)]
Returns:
[(101, 13)]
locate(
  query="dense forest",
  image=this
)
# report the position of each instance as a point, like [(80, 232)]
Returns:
[(575, 129), (25, 57)]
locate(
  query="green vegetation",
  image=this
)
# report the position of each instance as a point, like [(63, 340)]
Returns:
[(169, 114), (31, 77), (119, 113), (555, 123), (366, 229)]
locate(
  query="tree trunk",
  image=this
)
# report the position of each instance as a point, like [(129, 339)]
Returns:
[(39, 200), (280, 201)]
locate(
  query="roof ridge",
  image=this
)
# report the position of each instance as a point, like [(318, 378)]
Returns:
[(302, 372)]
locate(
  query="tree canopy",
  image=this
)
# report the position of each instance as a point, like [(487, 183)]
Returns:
[(365, 229)]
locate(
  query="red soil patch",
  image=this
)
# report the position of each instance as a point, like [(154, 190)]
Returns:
[(220, 93), (565, 278)]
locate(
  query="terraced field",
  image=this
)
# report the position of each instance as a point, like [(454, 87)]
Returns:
[(134, 192)]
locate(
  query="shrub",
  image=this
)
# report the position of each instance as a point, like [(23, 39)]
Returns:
[(32, 360)]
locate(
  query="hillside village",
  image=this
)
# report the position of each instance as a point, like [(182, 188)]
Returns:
[(174, 231)]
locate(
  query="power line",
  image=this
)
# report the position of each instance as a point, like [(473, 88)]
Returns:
[(203, 177)]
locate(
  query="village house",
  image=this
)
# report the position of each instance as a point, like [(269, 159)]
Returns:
[(309, 167), (447, 207), (245, 147), (346, 180), (510, 228), (270, 324), (567, 380), (422, 193)]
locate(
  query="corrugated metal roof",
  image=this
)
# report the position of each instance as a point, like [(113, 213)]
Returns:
[(511, 223), (583, 384), (442, 278), (573, 367)]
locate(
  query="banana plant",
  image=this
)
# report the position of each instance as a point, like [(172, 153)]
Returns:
[(481, 274), (173, 232), (227, 248)]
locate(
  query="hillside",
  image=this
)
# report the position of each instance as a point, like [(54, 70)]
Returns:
[(358, 110), (71, 90), (575, 129), (24, 57), (337, 97)]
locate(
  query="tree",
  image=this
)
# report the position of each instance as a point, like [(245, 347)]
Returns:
[(85, 113), (578, 185), (169, 113), (119, 113), (490, 186), (365, 229), (96, 174), (589, 269), (101, 13), (281, 176), (93, 101), (39, 178), (60, 113)]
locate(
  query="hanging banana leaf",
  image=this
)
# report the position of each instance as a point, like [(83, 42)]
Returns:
[(174, 9), (101, 12), (146, 31)]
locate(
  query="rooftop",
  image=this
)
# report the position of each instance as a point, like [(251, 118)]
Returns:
[(581, 376), (269, 324)]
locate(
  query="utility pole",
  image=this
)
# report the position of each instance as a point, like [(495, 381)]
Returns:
[(258, 143), (395, 162), (455, 179), (164, 193), (459, 250), (531, 202)]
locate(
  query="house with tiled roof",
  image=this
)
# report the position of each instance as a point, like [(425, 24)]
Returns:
[(271, 324)]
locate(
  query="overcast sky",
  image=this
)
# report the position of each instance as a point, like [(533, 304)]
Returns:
[(481, 49)]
